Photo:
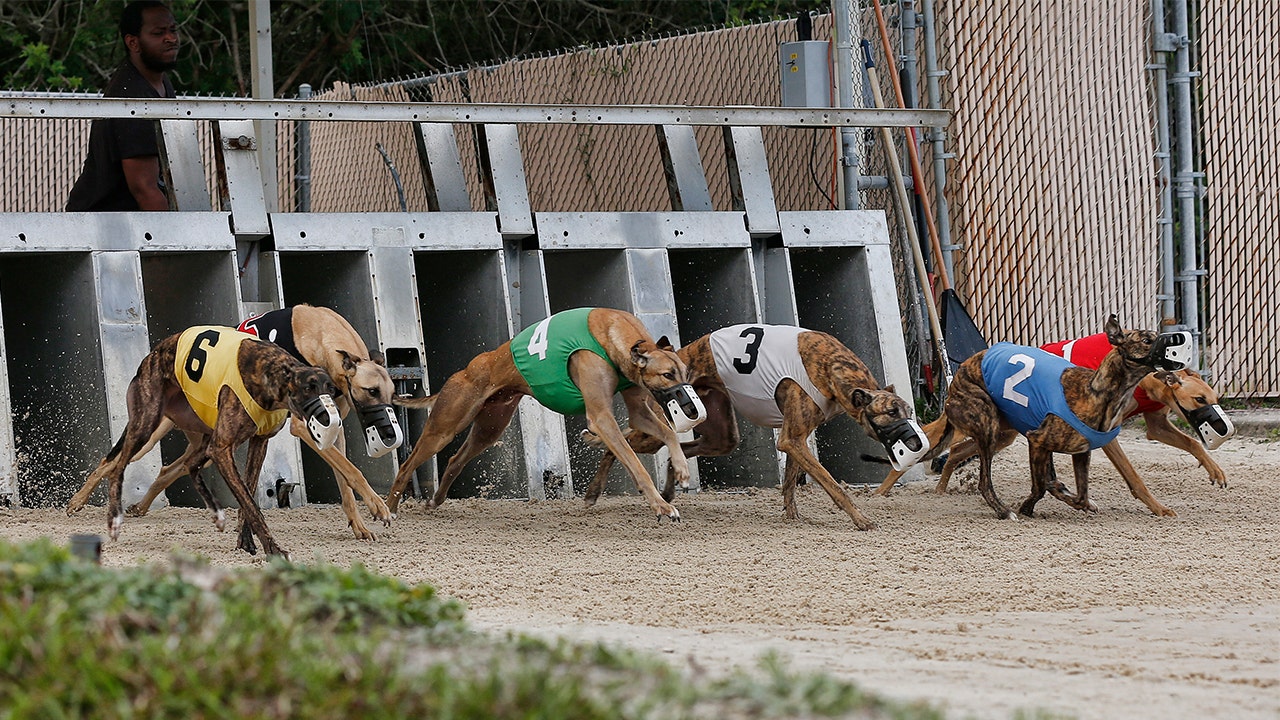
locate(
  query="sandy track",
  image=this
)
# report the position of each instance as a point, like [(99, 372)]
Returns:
[(1118, 614)]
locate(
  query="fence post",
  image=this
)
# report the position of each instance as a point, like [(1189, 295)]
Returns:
[(844, 25), (303, 176), (1186, 185)]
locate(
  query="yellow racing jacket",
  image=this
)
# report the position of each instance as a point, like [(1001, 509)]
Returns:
[(205, 362)]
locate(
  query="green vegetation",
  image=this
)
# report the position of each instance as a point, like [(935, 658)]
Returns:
[(317, 641)]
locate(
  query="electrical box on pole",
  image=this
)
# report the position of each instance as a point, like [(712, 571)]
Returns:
[(806, 73)]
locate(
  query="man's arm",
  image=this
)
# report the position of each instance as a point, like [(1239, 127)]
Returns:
[(143, 175)]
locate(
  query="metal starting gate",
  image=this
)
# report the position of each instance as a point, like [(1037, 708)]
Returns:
[(84, 296)]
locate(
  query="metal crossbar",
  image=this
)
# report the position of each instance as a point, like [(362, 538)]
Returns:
[(88, 107)]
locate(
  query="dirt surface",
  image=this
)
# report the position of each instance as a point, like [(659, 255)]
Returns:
[(1118, 614)]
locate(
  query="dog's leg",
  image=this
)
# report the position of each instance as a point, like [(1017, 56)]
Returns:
[(146, 403), (81, 498), (486, 429), (643, 417), (800, 416), (965, 450), (1080, 466), (350, 480), (790, 478), (202, 488), (169, 474), (597, 392), (715, 436), (973, 413), (639, 442), (1137, 488), (251, 520), (452, 409), (1043, 477), (1159, 428)]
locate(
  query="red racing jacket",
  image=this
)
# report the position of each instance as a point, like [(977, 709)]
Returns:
[(1089, 352)]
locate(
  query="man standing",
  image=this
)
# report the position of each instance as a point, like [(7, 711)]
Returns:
[(122, 168)]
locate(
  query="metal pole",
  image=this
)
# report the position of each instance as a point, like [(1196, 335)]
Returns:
[(938, 135), (1185, 179), (263, 87), (844, 26), (1164, 218), (303, 176)]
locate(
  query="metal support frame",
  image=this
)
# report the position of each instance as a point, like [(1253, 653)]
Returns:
[(845, 25), (937, 136), (16, 104), (433, 289)]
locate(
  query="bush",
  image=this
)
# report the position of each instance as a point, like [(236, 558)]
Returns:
[(317, 641)]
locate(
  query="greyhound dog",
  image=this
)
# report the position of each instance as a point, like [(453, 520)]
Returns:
[(573, 362), (1183, 392), (222, 388), (998, 393), (320, 337), (789, 378)]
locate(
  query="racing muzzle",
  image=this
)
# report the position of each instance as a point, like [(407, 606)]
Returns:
[(382, 432), (905, 442), (323, 421), (1211, 424), (1173, 351), (683, 407)]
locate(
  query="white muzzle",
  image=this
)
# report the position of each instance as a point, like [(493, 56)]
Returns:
[(323, 421)]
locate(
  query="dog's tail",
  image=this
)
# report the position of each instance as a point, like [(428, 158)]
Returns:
[(115, 449), (417, 403)]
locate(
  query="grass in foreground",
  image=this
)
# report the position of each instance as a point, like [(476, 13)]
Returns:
[(318, 641)]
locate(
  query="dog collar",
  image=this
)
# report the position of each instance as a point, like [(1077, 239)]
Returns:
[(1210, 423), (682, 406), (905, 442), (323, 420), (382, 432)]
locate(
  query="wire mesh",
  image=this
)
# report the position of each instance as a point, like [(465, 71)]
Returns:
[(1241, 91)]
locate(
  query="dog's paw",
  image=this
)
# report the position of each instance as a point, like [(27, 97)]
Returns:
[(590, 438)]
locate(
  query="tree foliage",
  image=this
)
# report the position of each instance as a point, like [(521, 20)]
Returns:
[(74, 44)]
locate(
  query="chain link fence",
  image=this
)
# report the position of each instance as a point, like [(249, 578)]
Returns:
[(1241, 92)]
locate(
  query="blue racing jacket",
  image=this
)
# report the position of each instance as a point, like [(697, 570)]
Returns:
[(1026, 385)]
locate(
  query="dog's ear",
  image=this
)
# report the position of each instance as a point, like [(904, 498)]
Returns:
[(665, 344), (889, 389), (378, 359), (861, 398), (638, 358), (1112, 328), (284, 380), (1168, 378), (349, 363)]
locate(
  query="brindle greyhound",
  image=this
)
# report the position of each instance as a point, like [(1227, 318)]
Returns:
[(1179, 392), (833, 370), (270, 378), (324, 339), (486, 393), (1098, 398)]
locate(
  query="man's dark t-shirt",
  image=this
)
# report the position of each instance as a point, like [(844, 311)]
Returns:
[(102, 184)]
